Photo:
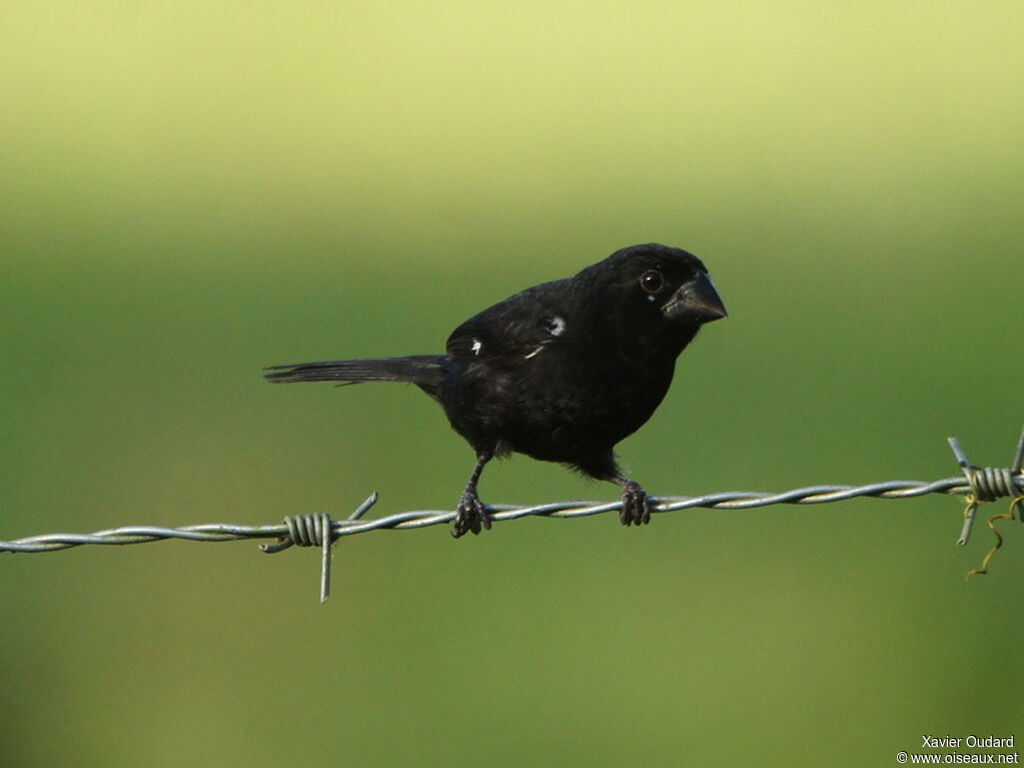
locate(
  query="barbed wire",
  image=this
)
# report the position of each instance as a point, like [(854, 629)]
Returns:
[(977, 484)]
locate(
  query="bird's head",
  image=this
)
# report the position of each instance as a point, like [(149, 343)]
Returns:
[(654, 291)]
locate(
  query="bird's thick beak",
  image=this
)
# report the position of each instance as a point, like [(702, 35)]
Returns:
[(696, 301)]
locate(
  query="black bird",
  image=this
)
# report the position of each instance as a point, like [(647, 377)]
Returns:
[(562, 371)]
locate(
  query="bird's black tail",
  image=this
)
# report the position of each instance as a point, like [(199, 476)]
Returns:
[(426, 371)]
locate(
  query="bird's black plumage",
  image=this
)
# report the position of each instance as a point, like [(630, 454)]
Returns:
[(561, 371)]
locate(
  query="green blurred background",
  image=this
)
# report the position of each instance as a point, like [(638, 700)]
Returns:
[(192, 191)]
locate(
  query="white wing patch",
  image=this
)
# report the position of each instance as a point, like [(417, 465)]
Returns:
[(556, 326), (477, 348)]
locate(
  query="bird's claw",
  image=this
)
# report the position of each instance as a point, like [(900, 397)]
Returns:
[(471, 515), (636, 508)]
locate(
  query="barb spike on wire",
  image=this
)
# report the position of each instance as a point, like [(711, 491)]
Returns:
[(989, 484), (316, 531)]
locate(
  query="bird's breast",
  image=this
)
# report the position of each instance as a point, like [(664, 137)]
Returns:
[(553, 407)]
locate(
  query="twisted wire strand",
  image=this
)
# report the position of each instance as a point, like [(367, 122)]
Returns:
[(287, 534), (978, 485)]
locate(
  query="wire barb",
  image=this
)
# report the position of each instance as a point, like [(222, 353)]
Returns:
[(977, 485), (988, 484), (316, 530)]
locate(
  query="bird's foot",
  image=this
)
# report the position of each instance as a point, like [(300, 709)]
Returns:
[(636, 508), (470, 515)]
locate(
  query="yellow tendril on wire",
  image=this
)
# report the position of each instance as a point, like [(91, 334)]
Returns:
[(1016, 506)]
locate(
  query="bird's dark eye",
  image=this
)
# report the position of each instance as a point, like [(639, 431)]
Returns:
[(652, 281)]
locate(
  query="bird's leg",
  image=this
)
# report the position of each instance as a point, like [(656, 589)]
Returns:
[(471, 514), (636, 509)]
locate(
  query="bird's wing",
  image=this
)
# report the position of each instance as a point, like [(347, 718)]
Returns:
[(517, 328)]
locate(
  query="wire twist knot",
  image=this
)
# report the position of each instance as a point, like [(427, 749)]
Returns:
[(309, 530), (316, 530), (988, 484), (303, 531), (991, 483)]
